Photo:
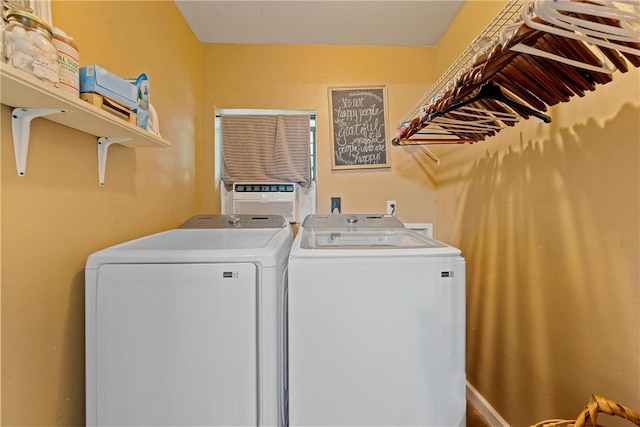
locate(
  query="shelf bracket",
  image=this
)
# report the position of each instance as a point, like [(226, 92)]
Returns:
[(103, 147), (21, 129)]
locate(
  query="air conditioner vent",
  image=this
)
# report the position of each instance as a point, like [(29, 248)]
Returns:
[(275, 198)]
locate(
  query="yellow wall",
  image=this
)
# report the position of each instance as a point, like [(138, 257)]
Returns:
[(57, 215), (547, 216), (298, 77), (469, 23)]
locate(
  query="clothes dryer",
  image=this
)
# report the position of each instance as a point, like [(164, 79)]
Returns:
[(182, 327), (376, 325)]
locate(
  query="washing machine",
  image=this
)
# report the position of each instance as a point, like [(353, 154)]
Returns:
[(376, 325), (183, 327)]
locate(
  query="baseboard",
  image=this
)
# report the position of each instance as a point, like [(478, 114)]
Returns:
[(485, 409)]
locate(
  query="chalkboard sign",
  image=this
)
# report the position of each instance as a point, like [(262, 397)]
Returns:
[(359, 127)]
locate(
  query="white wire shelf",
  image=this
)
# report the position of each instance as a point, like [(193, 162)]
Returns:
[(509, 14)]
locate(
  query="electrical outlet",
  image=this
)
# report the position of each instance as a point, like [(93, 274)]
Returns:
[(392, 207), (335, 205)]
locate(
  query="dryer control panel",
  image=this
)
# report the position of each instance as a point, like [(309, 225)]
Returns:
[(236, 221)]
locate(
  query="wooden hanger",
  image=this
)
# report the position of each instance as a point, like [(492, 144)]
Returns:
[(559, 49), (491, 91), (588, 28)]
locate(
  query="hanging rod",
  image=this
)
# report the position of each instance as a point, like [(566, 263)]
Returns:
[(509, 14)]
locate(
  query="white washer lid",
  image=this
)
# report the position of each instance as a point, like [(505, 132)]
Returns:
[(366, 239), (345, 235), (405, 244), (350, 222)]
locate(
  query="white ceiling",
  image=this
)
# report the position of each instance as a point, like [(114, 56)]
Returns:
[(328, 22)]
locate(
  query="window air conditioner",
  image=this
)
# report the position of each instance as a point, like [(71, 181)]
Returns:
[(263, 198)]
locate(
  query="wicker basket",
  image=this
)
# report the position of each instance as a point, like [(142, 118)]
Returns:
[(589, 416)]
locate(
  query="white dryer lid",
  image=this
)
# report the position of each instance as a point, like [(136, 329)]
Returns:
[(265, 247), (236, 221)]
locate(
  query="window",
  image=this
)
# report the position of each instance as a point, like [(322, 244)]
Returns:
[(306, 202), (218, 135), (312, 145)]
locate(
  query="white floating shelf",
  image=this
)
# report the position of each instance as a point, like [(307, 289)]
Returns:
[(24, 92)]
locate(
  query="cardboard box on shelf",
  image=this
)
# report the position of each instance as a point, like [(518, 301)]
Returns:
[(96, 79)]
